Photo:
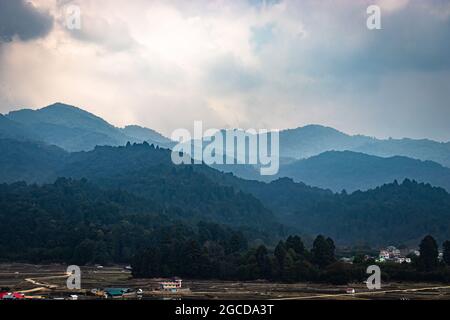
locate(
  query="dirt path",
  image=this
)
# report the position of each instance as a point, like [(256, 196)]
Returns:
[(363, 293), (44, 285), (38, 289)]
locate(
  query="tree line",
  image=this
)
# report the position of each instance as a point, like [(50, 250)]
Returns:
[(288, 261)]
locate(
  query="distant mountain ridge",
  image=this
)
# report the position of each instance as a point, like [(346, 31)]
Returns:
[(34, 162), (74, 129), (10, 129), (339, 170), (313, 140), (142, 134)]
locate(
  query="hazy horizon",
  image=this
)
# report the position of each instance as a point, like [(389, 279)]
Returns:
[(231, 128)]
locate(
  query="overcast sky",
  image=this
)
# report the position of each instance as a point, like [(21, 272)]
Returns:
[(249, 63)]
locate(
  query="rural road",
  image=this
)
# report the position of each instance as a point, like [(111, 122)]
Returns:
[(43, 285), (365, 293)]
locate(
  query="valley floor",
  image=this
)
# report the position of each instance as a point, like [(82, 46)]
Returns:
[(49, 282)]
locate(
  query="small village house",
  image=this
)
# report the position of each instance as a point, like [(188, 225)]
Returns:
[(174, 285)]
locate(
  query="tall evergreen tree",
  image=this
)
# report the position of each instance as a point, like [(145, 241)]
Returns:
[(295, 243), (280, 253), (323, 251), (263, 261), (288, 273), (446, 257), (429, 254)]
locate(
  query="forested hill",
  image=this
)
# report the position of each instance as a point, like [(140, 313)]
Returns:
[(392, 214), (140, 169), (395, 213), (29, 161), (358, 171), (77, 222), (72, 128), (148, 172)]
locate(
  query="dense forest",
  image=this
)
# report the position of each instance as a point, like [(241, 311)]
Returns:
[(75, 221), (130, 204), (396, 213)]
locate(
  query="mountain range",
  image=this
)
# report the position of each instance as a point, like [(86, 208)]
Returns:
[(74, 129), (317, 155), (393, 213), (312, 140), (403, 204)]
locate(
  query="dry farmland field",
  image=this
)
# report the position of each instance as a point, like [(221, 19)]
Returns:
[(49, 282)]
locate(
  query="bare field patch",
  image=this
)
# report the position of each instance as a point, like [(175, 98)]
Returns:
[(49, 281)]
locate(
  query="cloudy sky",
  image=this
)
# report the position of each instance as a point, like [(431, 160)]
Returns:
[(250, 63)]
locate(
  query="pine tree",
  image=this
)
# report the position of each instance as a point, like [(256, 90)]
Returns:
[(323, 251), (428, 254), (446, 257), (263, 261), (280, 253), (295, 243)]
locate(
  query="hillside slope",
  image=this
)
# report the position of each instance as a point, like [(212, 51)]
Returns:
[(74, 129), (357, 171)]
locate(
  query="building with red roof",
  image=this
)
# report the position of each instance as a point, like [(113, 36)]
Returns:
[(11, 296)]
